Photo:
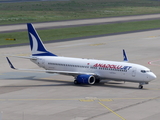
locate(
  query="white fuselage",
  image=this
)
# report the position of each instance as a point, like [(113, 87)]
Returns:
[(85, 71), (122, 71)]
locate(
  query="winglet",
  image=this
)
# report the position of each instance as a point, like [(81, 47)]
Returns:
[(10, 63), (125, 59)]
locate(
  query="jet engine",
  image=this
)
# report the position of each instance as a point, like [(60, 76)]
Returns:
[(85, 79)]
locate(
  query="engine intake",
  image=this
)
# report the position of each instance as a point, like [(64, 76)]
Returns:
[(86, 79)]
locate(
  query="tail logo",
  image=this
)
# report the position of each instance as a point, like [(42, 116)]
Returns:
[(35, 46)]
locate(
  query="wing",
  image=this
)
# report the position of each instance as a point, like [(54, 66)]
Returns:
[(71, 73)]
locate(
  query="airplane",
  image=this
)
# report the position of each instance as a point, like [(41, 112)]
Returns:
[(85, 71)]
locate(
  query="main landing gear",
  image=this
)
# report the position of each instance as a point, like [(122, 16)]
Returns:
[(75, 82)]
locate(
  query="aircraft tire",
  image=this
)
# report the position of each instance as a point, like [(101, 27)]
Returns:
[(75, 82), (140, 86)]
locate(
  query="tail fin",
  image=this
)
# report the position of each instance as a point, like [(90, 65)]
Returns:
[(125, 59), (37, 47)]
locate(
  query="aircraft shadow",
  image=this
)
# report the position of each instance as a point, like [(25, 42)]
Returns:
[(69, 83), (115, 85)]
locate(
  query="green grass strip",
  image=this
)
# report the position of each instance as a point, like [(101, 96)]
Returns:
[(40, 11), (64, 33)]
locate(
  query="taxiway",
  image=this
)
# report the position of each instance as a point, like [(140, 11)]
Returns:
[(39, 96), (82, 22)]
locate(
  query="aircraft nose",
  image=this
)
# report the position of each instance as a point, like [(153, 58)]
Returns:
[(152, 76)]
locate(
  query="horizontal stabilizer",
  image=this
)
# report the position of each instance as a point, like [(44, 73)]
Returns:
[(10, 63), (24, 57)]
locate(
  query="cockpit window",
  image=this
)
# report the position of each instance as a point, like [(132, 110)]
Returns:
[(144, 71)]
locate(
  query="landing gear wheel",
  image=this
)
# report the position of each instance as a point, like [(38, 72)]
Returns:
[(140, 86), (75, 82)]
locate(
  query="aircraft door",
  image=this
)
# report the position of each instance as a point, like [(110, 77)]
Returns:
[(133, 72)]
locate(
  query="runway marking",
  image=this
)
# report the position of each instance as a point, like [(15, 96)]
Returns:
[(152, 36), (86, 100), (112, 111), (81, 100), (107, 100), (92, 100)]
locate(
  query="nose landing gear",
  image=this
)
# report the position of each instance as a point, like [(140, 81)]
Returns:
[(141, 85)]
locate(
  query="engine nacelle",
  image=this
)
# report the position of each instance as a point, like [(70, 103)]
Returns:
[(86, 79)]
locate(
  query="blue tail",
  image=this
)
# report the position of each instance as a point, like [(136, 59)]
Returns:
[(37, 47), (125, 56)]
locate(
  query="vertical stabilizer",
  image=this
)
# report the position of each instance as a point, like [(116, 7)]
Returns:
[(37, 46), (125, 59)]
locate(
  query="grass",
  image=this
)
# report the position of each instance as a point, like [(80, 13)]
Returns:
[(63, 33), (30, 12), (24, 12)]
